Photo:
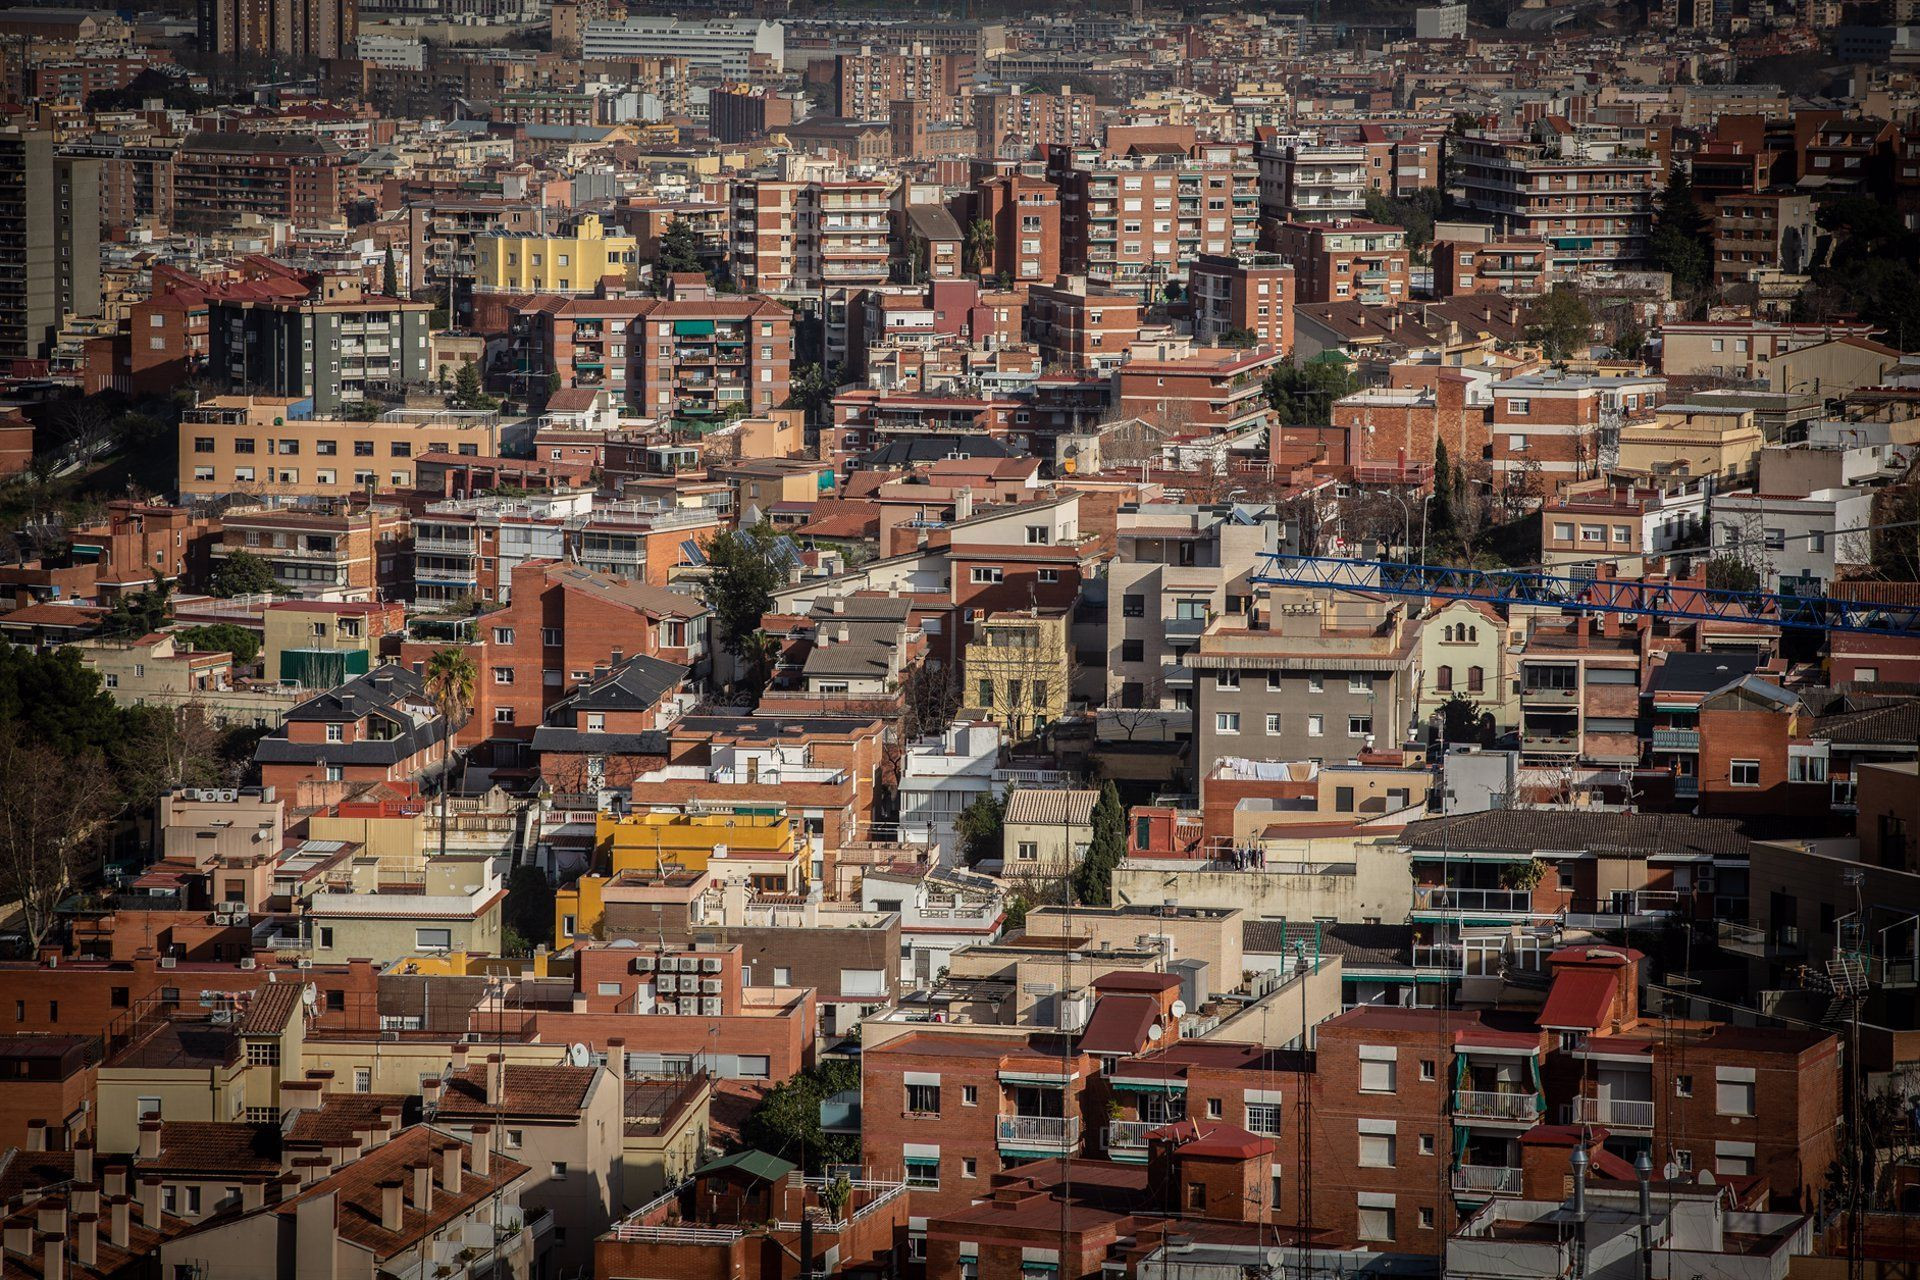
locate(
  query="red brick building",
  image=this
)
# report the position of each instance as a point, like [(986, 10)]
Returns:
[(1080, 323), (1025, 213), (1519, 267), (1345, 260), (1013, 125), (1251, 293)]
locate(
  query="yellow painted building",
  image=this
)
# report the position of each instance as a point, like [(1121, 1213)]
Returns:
[(518, 262), (759, 847), (1017, 671)]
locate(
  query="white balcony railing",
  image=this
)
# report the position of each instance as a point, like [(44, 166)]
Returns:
[(1447, 898), (1486, 1177), (1048, 1132), (1496, 1105), (1621, 1113), (1131, 1135)]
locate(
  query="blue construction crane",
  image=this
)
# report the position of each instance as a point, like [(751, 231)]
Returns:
[(1593, 595)]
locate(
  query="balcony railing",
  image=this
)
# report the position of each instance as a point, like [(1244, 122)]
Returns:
[(1497, 1105), (1676, 739), (1440, 897), (1131, 1135), (1044, 1132), (1543, 693), (1440, 955), (1621, 1113), (1486, 1177)]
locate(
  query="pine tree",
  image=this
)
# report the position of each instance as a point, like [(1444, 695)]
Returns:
[(390, 277), (1093, 879), (1680, 243)]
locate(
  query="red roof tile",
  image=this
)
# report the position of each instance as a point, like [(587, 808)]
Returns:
[(1579, 1000)]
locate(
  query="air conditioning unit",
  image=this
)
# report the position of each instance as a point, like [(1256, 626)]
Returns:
[(710, 965), (643, 964), (710, 1007), (711, 986), (248, 962), (233, 908), (168, 962), (221, 917), (668, 982), (304, 962), (240, 917), (689, 1008), (669, 964)]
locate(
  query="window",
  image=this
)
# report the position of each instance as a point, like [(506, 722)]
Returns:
[(559, 1171), (1683, 1086), (987, 573), (969, 1167), (516, 1138), (1428, 1069), (1517, 443), (147, 1108), (336, 733), (550, 637), (503, 635), (923, 1099), (430, 939), (325, 939), (1733, 1159), (1133, 651), (503, 715), (1426, 1144), (1865, 675), (503, 675), (1343, 799), (1027, 851), (1376, 1221), (1263, 1117), (1376, 1151), (119, 997), (1038, 535), (1316, 684), (1562, 532), (1215, 1109), (1377, 1069), (1359, 726), (1476, 680), (1743, 773), (1357, 683), (1226, 679), (363, 1079), (1133, 606), (969, 1095), (1316, 726), (1196, 1195), (1226, 722), (1806, 768), (1443, 679), (1426, 1219), (923, 1173), (1733, 1091), (1519, 406), (1273, 722), (1049, 575)]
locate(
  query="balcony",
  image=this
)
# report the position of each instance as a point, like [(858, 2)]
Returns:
[(1550, 744), (1617, 1113), (1783, 942), (1686, 786), (1128, 1138), (1676, 739), (1625, 908), (1486, 1179), (1497, 1105), (1446, 898), (1048, 1135), (1548, 694), (1439, 955)]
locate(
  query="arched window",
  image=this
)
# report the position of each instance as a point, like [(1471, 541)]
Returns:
[(1476, 680), (1443, 679), (1473, 635)]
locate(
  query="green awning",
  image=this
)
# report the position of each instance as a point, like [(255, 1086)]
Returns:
[(757, 1164), (693, 328), (321, 668)]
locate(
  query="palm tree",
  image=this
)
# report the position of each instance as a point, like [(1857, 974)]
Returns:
[(450, 680), (762, 652), (979, 245)]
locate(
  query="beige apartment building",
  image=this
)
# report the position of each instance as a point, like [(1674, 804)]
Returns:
[(1046, 832), (153, 671), (260, 444), (369, 907), (1695, 441)]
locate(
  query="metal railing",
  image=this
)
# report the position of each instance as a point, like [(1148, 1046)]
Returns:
[(1447, 898), (1676, 739), (1131, 1135), (1063, 1131), (1496, 1105), (1485, 1177), (1622, 1112)]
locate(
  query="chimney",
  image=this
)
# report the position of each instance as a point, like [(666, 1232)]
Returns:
[(617, 1057), (150, 1203), (118, 1227), (54, 1263), (51, 1215), (459, 1059), (114, 1181), (480, 1150), (253, 1195), (36, 1135), (496, 1079), (390, 1121), (19, 1238), (430, 1092), (422, 1175), (86, 1249), (390, 1214), (450, 1168), (150, 1139)]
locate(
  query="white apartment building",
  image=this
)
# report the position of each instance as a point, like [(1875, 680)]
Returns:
[(1304, 182), (1796, 544), (725, 45)]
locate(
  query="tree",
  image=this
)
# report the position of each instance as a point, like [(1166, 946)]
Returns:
[(1414, 213), (1303, 394), (529, 907), (243, 574), (762, 653), (222, 637), (52, 807), (679, 251), (1731, 573), (1093, 878), (1240, 339), (55, 699), (450, 681), (390, 277), (1680, 243), (813, 389), (469, 392), (1561, 323), (744, 568), (979, 244), (981, 827), (929, 700), (166, 747), (787, 1121), (141, 612)]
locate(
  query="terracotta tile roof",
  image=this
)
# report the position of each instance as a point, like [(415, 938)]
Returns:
[(530, 1091), (270, 1010), (357, 1191), (340, 1117), (207, 1146)]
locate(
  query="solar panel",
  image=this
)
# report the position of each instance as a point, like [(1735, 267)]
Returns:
[(691, 550)]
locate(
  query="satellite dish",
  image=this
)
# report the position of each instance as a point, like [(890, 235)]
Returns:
[(1705, 1178), (1179, 1009), (579, 1055), (1670, 1171), (310, 995), (1154, 1033)]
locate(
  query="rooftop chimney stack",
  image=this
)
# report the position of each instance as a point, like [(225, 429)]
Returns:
[(450, 1168), (119, 1228), (150, 1139), (479, 1151), (422, 1175), (86, 1248), (390, 1211), (496, 1079)]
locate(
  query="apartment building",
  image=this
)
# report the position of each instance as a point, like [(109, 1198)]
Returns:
[(1013, 124), (637, 539), (736, 48), (153, 671), (1252, 293), (701, 357), (1623, 521), (299, 29), (1392, 432), (1503, 264), (1761, 231), (1139, 221), (798, 237), (1746, 349), (580, 260), (468, 548), (277, 448), (1715, 444), (379, 727), (1339, 259), (1301, 181), (1082, 323), (1178, 568), (870, 81), (1016, 670), (1560, 428), (221, 178), (361, 905), (1590, 198), (1308, 677), (1796, 545), (137, 540), (331, 548), (51, 257), (1580, 692), (315, 336), (1465, 653), (1025, 213), (322, 643), (1213, 389)]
